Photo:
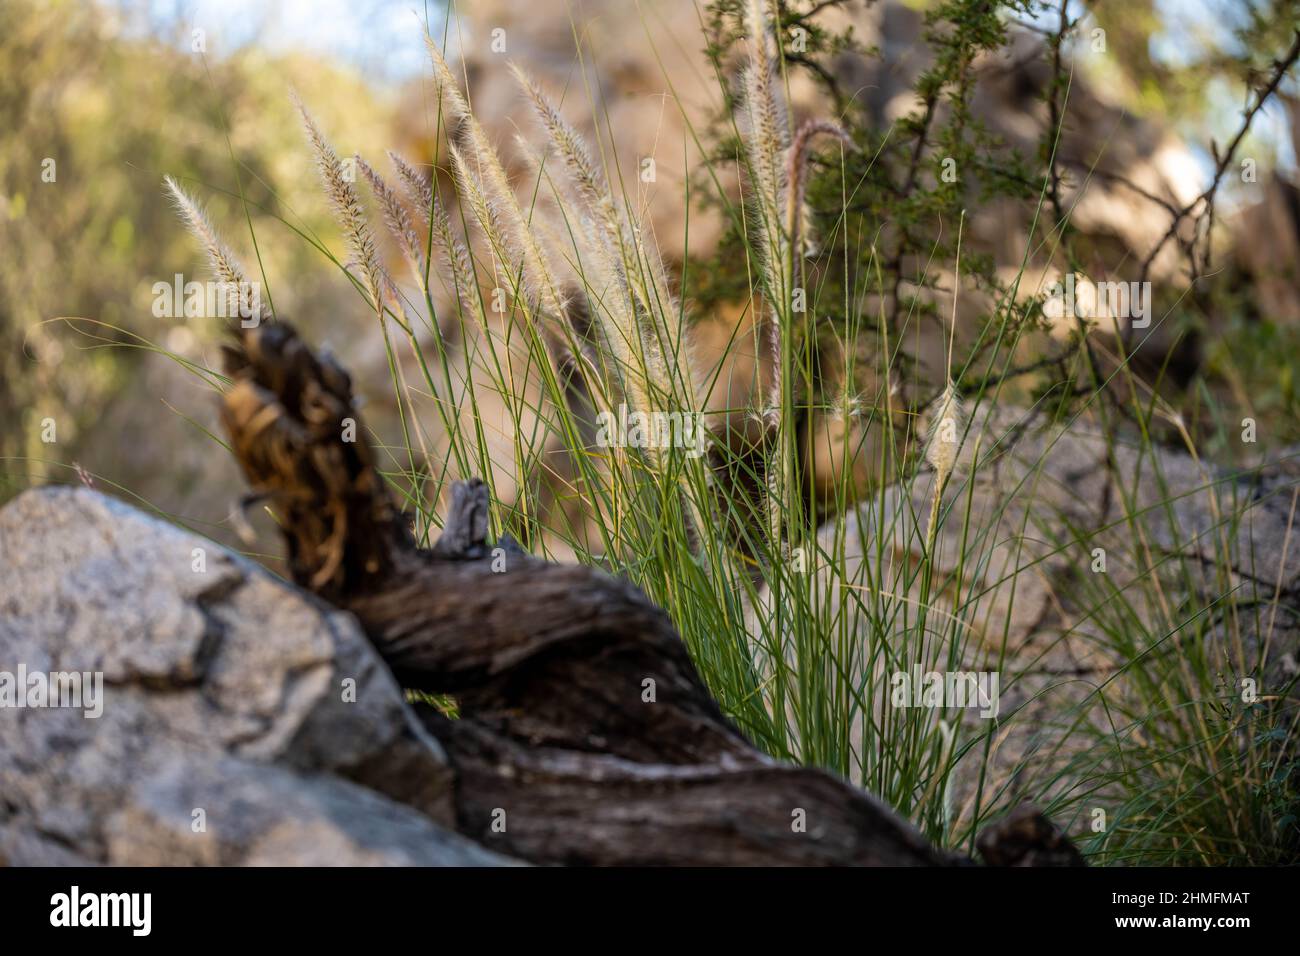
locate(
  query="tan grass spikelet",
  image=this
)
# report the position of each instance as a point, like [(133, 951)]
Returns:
[(617, 341), (515, 237), (944, 434), (767, 124), (225, 265), (348, 211), (432, 213), (650, 327), (397, 219)]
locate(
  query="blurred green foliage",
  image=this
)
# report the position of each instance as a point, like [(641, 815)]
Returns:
[(103, 115), (889, 216)]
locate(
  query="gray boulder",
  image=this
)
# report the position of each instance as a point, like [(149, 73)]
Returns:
[(240, 721), (1081, 570)]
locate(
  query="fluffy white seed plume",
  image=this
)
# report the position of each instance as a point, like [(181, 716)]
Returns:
[(397, 219), (517, 236), (588, 182), (944, 436), (224, 263), (612, 321), (487, 213), (948, 426), (419, 190), (635, 317), (777, 178), (767, 126), (942, 444), (569, 144), (341, 191), (591, 186), (645, 324), (471, 188)]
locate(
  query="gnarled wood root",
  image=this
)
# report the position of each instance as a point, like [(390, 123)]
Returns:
[(559, 759)]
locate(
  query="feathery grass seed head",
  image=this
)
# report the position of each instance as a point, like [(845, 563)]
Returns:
[(348, 211), (944, 437), (396, 218), (224, 263)]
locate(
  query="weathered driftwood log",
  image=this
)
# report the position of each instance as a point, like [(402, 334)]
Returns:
[(560, 757)]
